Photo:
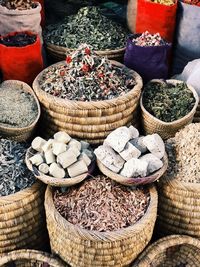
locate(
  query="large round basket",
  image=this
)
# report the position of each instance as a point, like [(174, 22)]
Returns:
[(83, 248), (22, 220), (178, 208), (25, 133), (90, 121), (59, 53), (197, 114), (171, 251), (167, 129), (30, 258)]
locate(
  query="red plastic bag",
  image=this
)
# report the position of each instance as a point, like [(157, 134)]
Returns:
[(21, 63), (155, 18)]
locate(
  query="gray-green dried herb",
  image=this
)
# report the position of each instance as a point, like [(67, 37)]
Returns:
[(168, 102), (17, 108), (14, 175), (87, 26), (86, 77)]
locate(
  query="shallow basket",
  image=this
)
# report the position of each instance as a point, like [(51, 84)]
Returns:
[(25, 133), (30, 258), (171, 251), (197, 114), (82, 248), (22, 220), (137, 180), (89, 121), (56, 181), (166, 129), (178, 208), (59, 53)]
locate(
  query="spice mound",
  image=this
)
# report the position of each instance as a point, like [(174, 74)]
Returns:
[(164, 2), (184, 154), (101, 204), (62, 156), (19, 4), (167, 101), (86, 77), (18, 39), (192, 2), (14, 175), (131, 155), (87, 26), (147, 39), (17, 108)]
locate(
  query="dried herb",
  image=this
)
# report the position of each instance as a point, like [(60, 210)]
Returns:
[(168, 102), (19, 4), (17, 108), (86, 77), (164, 2), (14, 175), (18, 40), (147, 39), (87, 26), (101, 204), (183, 152)]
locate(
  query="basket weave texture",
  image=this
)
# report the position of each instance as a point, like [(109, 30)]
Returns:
[(90, 121), (178, 208), (30, 258), (197, 114), (171, 251), (166, 129), (25, 133), (22, 220), (82, 248)]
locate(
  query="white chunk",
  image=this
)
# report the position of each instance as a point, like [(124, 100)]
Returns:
[(118, 138), (47, 145), (56, 171), (62, 137), (58, 148), (154, 163), (74, 150), (44, 168), (109, 158), (134, 132), (130, 152), (84, 145), (155, 145), (84, 157), (75, 143), (77, 168), (49, 156), (138, 143), (66, 158), (38, 143), (37, 159), (134, 168), (89, 153)]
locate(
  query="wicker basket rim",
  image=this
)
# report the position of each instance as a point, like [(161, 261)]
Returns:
[(118, 234), (53, 99), (136, 180), (26, 88), (173, 81), (181, 184)]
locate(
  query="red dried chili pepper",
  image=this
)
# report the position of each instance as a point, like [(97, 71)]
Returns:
[(62, 73), (68, 59), (87, 51), (85, 68)]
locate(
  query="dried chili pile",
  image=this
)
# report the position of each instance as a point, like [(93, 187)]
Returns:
[(192, 2), (101, 204), (87, 26), (86, 77), (18, 40), (19, 4), (14, 175)]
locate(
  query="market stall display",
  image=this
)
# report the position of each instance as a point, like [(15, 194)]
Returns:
[(131, 159), (167, 106), (87, 96), (115, 247)]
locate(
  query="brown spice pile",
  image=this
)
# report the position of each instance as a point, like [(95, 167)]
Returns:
[(101, 204)]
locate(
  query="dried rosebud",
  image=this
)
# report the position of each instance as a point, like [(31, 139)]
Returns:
[(87, 51), (62, 73), (68, 59), (85, 68)]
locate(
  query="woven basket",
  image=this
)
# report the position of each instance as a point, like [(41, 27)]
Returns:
[(22, 220), (25, 133), (178, 208), (167, 129), (59, 53), (83, 248), (30, 258), (91, 121), (171, 251), (197, 114), (134, 181), (56, 181)]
